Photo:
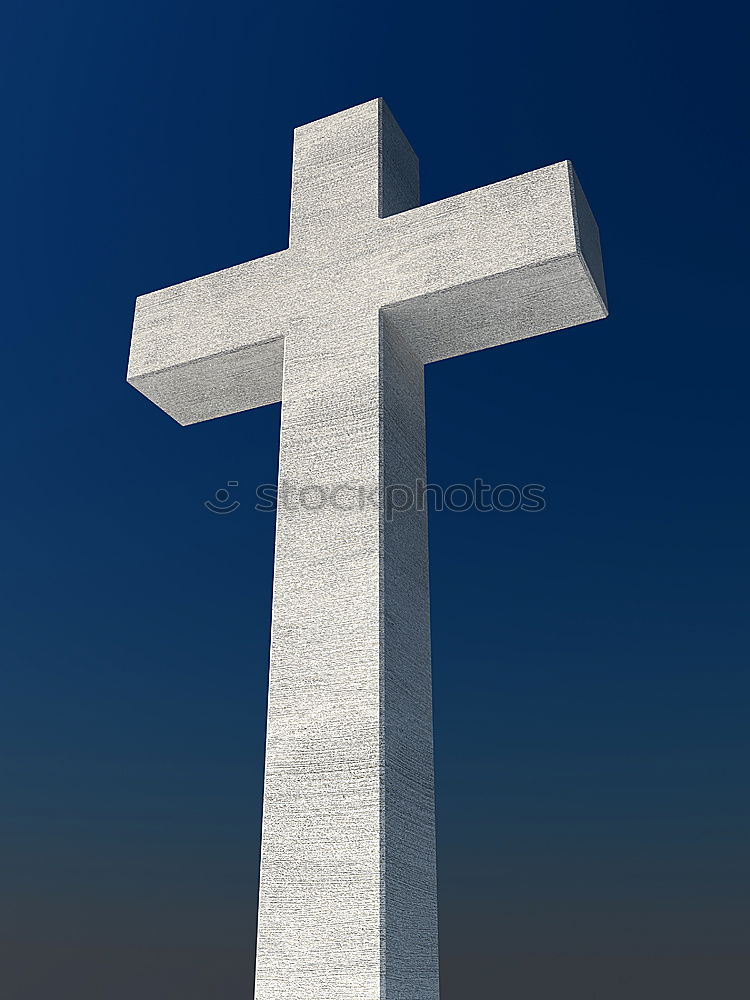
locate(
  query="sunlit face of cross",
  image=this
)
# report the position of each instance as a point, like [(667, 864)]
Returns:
[(339, 327)]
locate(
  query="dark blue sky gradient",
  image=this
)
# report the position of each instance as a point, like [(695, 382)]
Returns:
[(591, 690)]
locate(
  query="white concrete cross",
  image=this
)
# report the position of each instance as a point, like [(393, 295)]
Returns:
[(339, 327)]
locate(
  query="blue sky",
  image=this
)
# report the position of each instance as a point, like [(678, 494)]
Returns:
[(591, 685)]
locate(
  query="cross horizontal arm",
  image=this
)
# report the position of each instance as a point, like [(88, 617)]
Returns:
[(497, 264), (510, 260), (214, 345)]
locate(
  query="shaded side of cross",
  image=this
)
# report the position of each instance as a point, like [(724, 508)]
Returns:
[(339, 327)]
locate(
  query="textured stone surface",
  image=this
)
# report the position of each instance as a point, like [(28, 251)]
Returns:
[(339, 326)]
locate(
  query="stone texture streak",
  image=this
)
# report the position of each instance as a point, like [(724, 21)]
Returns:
[(339, 327)]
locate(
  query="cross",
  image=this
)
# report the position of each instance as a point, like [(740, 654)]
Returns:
[(339, 327)]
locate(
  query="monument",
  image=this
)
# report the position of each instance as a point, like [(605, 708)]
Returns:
[(339, 327)]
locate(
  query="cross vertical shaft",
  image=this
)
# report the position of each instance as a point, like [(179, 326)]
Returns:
[(348, 827), (348, 905)]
